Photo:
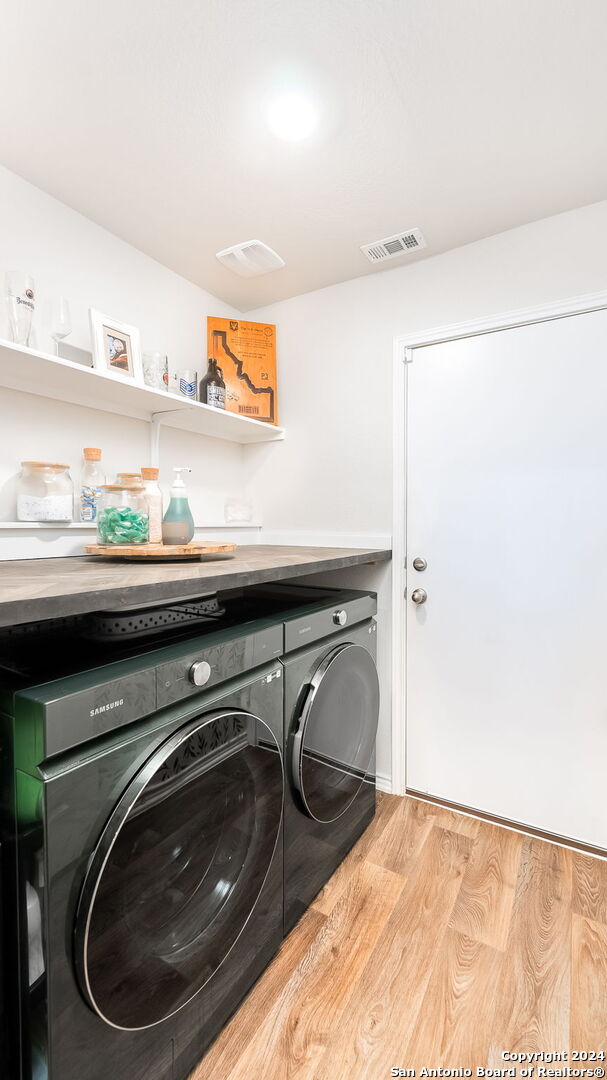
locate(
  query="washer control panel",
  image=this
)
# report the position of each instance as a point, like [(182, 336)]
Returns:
[(209, 665)]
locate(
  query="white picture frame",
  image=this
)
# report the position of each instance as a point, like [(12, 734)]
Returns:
[(116, 348)]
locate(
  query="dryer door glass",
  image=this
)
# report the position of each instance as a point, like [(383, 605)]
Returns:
[(335, 739), (179, 868)]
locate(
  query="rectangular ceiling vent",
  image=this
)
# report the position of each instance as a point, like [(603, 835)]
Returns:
[(393, 246), (250, 259)]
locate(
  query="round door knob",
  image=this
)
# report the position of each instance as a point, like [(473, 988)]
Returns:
[(340, 618), (200, 673), (419, 596)]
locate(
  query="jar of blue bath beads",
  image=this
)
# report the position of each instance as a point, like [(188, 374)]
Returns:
[(122, 515)]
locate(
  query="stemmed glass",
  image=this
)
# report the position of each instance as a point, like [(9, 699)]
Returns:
[(61, 321)]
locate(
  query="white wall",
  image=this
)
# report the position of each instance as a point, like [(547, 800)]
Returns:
[(333, 474), (69, 255)]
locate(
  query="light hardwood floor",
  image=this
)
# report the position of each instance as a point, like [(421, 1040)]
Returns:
[(440, 941)]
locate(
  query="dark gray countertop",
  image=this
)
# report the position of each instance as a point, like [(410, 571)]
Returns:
[(32, 589)]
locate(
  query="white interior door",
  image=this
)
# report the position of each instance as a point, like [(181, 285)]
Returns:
[(507, 502)]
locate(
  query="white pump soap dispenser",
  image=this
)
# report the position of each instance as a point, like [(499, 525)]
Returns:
[(178, 523)]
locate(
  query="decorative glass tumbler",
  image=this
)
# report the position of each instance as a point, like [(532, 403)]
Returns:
[(20, 299), (156, 370)]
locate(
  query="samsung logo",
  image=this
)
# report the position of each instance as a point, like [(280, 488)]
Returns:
[(106, 708)]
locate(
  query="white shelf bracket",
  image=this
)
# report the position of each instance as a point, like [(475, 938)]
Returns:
[(155, 424)]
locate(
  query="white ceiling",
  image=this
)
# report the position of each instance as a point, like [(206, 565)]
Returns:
[(462, 117)]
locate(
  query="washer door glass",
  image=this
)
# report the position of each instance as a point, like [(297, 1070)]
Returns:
[(335, 740), (179, 868)]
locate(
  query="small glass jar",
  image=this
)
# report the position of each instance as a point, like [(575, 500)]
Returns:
[(45, 492), (132, 478), (122, 515)]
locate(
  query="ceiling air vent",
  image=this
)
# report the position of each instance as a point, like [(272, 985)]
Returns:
[(250, 259), (392, 246)]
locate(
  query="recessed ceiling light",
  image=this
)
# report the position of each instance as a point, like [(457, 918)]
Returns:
[(292, 116)]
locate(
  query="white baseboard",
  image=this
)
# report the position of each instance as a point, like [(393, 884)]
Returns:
[(383, 783)]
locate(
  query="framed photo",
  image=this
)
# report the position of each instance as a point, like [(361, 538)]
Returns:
[(116, 348)]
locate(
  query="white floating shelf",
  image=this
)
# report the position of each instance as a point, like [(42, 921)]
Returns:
[(57, 526), (53, 377), (61, 526)]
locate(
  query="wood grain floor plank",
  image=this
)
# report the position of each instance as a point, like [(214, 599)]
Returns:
[(588, 985), (533, 997), (443, 953), (336, 886), (241, 1029), (484, 905), (454, 821), (403, 837), (386, 806), (590, 887), (292, 1038), (383, 1009), (455, 1023)]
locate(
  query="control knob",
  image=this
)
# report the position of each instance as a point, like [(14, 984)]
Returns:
[(200, 673), (340, 618)]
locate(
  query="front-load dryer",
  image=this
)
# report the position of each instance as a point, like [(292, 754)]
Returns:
[(331, 716), (147, 843)]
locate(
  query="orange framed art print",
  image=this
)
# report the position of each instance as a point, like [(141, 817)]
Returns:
[(246, 354)]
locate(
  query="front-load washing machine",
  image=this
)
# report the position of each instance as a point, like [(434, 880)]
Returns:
[(146, 846), (331, 715)]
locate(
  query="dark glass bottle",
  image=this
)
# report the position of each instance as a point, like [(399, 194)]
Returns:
[(212, 387)]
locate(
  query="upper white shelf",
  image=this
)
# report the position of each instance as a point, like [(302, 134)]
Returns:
[(53, 377)]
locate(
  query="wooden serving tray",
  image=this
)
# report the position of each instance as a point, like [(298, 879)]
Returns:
[(158, 552)]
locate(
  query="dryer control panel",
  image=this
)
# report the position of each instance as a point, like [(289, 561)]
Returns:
[(316, 625)]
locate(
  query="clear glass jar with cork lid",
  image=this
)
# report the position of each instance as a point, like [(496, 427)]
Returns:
[(122, 515), (45, 492), (91, 481), (128, 478), (153, 495)]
